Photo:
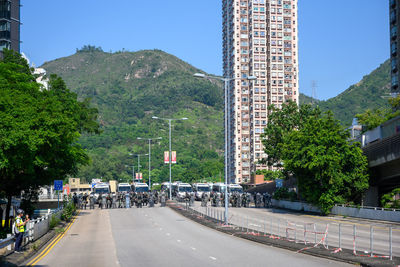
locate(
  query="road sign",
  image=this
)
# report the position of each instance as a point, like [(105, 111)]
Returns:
[(58, 185), (279, 183)]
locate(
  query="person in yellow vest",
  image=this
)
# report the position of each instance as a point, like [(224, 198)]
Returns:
[(19, 229)]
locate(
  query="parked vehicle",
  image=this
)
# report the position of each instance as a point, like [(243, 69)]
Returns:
[(124, 187), (140, 187), (199, 189), (113, 186), (218, 188), (235, 188), (101, 188), (182, 190)]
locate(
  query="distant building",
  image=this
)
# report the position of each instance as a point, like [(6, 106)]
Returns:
[(259, 39), (394, 6), (10, 25)]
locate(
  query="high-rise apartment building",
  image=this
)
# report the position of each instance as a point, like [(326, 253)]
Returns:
[(10, 24), (394, 6), (259, 39)]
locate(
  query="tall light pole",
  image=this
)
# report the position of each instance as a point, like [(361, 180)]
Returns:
[(227, 126), (138, 155), (149, 139), (170, 157)]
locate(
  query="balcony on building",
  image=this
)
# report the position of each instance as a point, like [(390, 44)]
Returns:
[(393, 17), (393, 48), (393, 32)]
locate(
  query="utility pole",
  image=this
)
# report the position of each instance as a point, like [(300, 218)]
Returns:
[(313, 91)]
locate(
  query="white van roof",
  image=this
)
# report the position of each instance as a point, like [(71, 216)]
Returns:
[(141, 184)]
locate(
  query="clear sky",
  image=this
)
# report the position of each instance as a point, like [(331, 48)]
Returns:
[(340, 41)]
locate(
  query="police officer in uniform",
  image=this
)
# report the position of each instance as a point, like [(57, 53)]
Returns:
[(163, 198), (19, 229), (91, 199)]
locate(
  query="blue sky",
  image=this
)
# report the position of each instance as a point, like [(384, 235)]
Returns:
[(340, 41)]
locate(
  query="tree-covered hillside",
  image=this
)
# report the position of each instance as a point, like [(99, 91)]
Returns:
[(369, 93), (128, 89)]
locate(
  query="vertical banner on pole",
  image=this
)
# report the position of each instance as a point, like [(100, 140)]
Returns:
[(140, 176), (137, 176), (166, 157), (173, 156)]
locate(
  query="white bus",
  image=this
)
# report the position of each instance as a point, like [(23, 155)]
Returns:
[(199, 189), (101, 188), (182, 189), (124, 187), (140, 187), (235, 188)]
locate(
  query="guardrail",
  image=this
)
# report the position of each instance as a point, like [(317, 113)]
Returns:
[(366, 207), (35, 229)]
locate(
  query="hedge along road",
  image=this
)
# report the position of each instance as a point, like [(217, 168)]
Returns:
[(161, 237), (258, 217)]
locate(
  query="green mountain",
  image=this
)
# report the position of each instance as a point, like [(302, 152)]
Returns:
[(128, 88), (305, 99), (369, 93)]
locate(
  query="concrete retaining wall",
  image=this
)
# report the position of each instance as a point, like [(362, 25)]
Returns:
[(299, 206), (370, 213), (365, 213)]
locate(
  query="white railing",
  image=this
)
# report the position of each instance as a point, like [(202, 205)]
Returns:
[(35, 229)]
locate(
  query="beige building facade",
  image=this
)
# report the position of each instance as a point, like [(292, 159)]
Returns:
[(259, 39)]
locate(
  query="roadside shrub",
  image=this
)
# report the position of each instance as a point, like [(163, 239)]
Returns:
[(283, 193), (68, 211), (54, 221), (389, 200)]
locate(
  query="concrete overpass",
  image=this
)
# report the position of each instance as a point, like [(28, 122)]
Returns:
[(382, 148)]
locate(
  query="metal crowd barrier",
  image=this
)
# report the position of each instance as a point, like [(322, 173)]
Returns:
[(367, 241), (35, 229)]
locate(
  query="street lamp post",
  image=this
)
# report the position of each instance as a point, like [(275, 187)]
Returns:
[(149, 139), (170, 157), (227, 125)]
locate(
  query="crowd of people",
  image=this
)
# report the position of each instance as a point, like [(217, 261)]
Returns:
[(120, 200)]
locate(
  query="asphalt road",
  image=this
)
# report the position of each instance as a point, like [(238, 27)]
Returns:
[(265, 220), (89, 242), (161, 237)]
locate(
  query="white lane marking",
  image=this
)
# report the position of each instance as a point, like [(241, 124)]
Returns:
[(213, 258), (168, 234), (178, 241), (160, 229), (193, 248), (255, 225)]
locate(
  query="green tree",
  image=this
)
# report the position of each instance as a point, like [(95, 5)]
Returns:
[(39, 129), (271, 175), (372, 118), (280, 123), (328, 168)]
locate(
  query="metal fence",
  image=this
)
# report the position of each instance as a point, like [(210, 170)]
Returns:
[(35, 229), (363, 240)]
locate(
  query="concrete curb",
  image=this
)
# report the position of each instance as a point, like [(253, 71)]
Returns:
[(344, 256)]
